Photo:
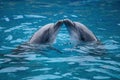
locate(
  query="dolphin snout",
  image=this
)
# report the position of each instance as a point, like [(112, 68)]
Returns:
[(59, 23), (68, 22)]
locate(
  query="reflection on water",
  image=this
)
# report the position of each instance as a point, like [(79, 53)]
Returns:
[(19, 20)]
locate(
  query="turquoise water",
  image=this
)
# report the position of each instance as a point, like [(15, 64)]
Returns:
[(20, 19)]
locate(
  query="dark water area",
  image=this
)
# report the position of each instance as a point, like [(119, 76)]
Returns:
[(20, 19)]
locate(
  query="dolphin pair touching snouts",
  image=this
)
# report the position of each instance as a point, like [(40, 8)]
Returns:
[(48, 33)]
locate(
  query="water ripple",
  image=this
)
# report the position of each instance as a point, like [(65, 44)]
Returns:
[(101, 77), (9, 37), (34, 16), (105, 72), (43, 69), (6, 19), (13, 69), (13, 28), (18, 16), (17, 41), (111, 68), (44, 77), (74, 16)]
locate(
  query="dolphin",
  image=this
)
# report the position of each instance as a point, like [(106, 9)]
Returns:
[(79, 32), (46, 34)]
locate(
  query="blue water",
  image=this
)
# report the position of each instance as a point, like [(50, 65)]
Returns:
[(20, 19)]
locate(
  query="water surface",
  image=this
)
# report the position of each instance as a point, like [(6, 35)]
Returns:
[(20, 19)]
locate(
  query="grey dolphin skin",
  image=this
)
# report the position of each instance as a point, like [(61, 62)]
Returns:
[(46, 34), (79, 32)]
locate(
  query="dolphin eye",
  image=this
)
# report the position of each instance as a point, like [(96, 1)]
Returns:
[(82, 38), (80, 32), (46, 37)]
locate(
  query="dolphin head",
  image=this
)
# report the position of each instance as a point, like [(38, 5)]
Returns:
[(79, 32), (46, 34)]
